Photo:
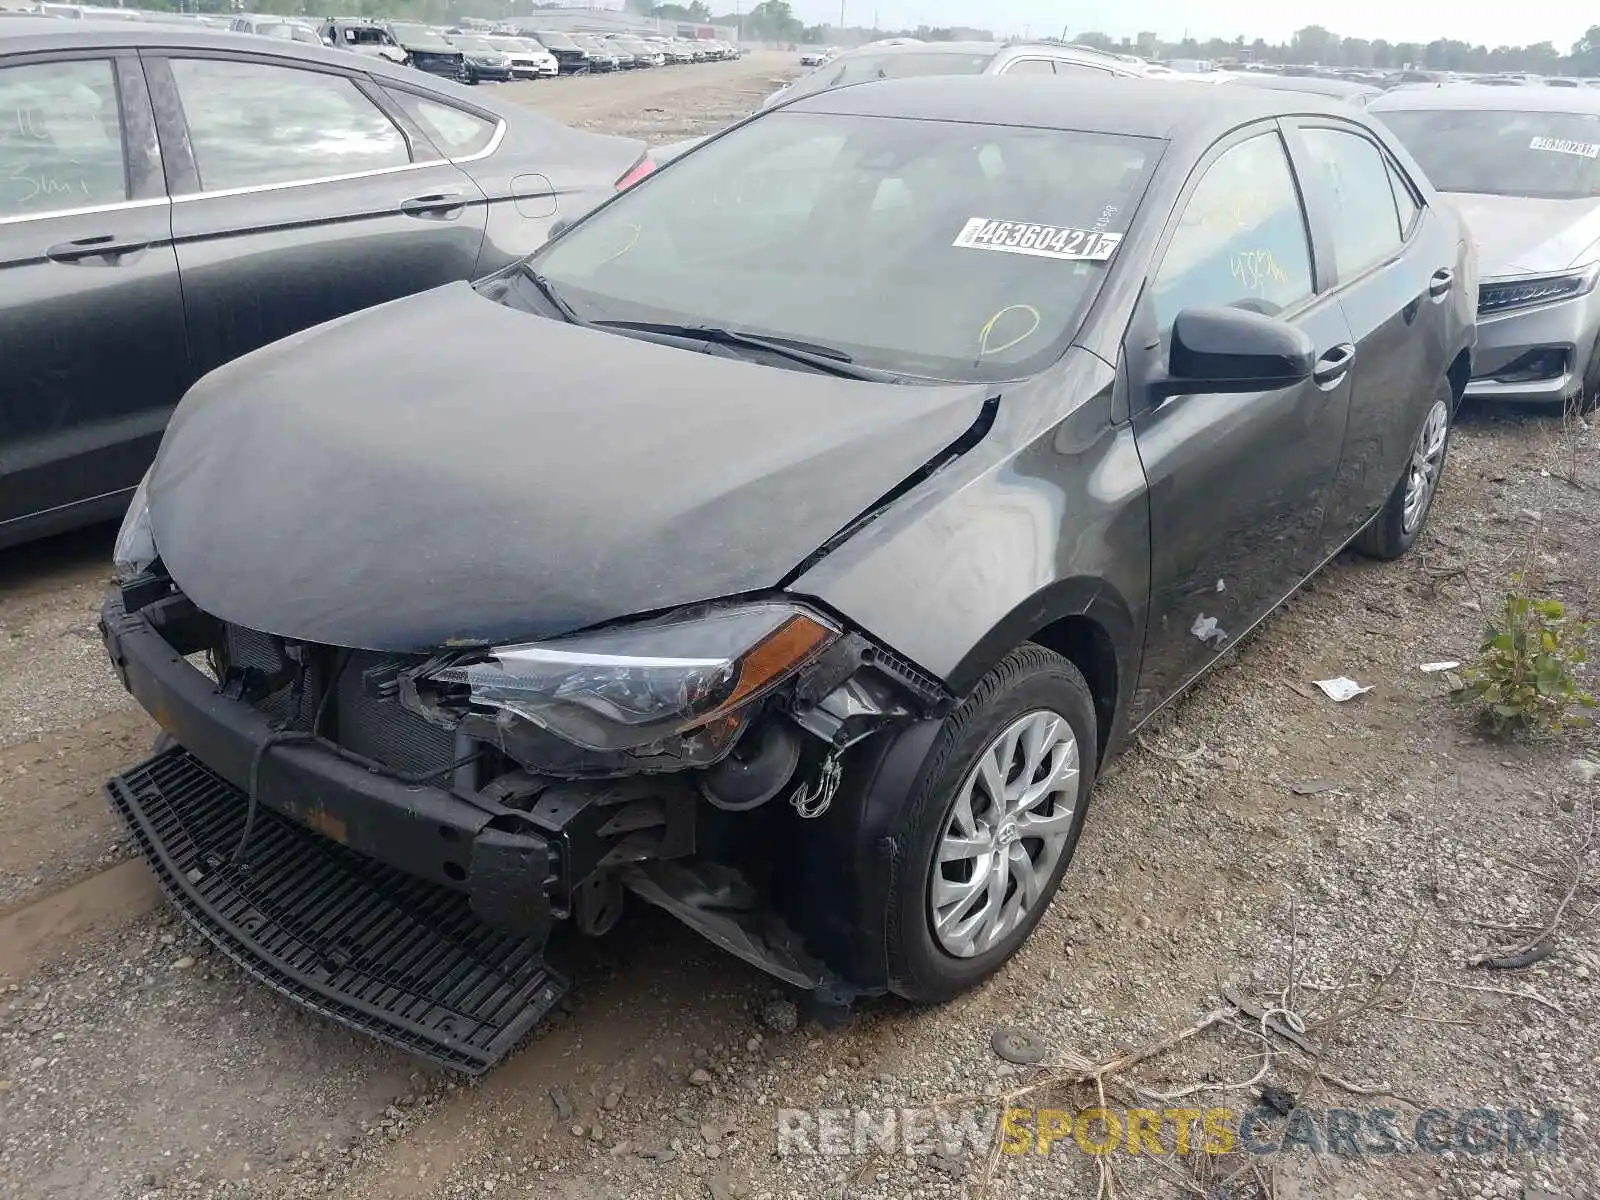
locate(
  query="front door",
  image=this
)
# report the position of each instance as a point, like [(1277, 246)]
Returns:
[(92, 353), (1238, 483), (298, 198)]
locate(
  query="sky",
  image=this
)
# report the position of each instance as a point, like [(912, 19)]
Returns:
[(1559, 21)]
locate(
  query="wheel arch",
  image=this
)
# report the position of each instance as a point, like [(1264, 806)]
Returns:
[(1087, 622)]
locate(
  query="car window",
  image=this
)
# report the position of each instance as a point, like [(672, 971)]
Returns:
[(935, 248), (456, 133), (1030, 66), (1549, 155), (60, 139), (252, 124), (1349, 183), (1404, 201), (1242, 238)]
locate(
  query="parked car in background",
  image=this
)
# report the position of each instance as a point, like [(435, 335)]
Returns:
[(896, 454), (191, 195), (481, 60), (814, 58), (281, 27), (904, 59), (428, 50), (1353, 93), (1522, 166), (367, 38), (626, 60), (670, 49), (568, 53), (644, 55), (600, 56), (529, 60)]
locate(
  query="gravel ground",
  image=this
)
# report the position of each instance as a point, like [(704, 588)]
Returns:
[(1260, 834)]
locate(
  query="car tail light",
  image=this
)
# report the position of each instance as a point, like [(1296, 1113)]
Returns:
[(635, 173)]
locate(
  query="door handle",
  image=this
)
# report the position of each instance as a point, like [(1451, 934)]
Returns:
[(104, 245), (434, 204), (1333, 366), (1439, 286)]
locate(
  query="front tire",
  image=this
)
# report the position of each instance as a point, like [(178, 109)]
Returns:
[(1400, 522), (993, 827)]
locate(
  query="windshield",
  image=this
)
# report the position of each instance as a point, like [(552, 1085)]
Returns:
[(1549, 155), (366, 35), (864, 67), (294, 33), (510, 45), (936, 249), (556, 41), (419, 37), (477, 45)]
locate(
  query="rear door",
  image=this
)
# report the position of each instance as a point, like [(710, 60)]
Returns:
[(299, 195), (1237, 483), (1393, 273), (92, 353)]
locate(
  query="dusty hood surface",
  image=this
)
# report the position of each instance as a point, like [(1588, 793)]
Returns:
[(444, 467), (1519, 235)]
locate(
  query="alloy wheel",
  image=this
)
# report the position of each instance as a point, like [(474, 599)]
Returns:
[(1427, 459), (1004, 834)]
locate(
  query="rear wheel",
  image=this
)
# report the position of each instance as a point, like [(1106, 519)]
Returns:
[(993, 827), (1396, 528)]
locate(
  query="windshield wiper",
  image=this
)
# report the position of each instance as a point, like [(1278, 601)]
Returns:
[(552, 297), (821, 358)]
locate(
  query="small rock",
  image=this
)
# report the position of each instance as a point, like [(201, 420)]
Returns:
[(753, 1045), (563, 1105), (720, 1187), (780, 1015), (612, 1099), (577, 1131), (1142, 921), (700, 1077), (184, 963), (1585, 770), (597, 1134)]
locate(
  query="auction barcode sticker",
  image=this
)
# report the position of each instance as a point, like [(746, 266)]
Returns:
[(1040, 241), (1565, 146)]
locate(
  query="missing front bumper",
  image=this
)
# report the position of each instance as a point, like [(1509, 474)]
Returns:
[(373, 948)]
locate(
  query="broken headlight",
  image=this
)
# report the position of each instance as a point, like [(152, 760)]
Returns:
[(135, 547), (633, 686)]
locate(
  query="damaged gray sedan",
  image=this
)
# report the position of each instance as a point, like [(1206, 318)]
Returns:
[(786, 544)]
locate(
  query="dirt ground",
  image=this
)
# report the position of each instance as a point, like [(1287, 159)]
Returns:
[(1261, 834)]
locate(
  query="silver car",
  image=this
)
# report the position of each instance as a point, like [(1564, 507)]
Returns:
[(1522, 165), (883, 61)]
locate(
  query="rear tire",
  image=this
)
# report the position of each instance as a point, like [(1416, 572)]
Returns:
[(981, 859), (1404, 515)]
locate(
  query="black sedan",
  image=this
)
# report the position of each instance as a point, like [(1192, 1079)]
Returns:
[(894, 456), (170, 199)]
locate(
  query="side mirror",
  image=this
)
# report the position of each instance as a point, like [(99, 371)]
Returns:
[(1235, 350)]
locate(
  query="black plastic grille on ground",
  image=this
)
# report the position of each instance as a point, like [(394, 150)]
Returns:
[(394, 956)]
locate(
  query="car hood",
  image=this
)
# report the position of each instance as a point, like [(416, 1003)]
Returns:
[(1520, 235), (444, 468)]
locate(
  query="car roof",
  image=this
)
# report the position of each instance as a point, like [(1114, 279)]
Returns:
[(1315, 84), (1531, 97), (53, 33), (1153, 108)]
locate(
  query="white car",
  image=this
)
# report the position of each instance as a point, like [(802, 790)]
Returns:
[(529, 60), (813, 58)]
